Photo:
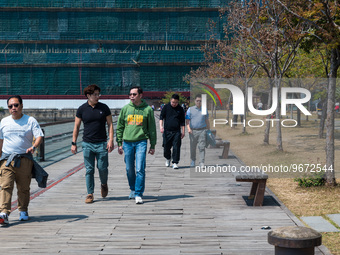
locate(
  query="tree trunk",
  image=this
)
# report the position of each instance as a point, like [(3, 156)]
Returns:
[(291, 112), (245, 107), (334, 65), (298, 111), (278, 117), (307, 119), (228, 111), (267, 130), (298, 117), (278, 129), (322, 118)]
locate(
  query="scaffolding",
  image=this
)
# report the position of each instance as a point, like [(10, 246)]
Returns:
[(59, 47)]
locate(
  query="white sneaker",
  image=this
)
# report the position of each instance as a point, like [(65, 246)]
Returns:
[(139, 200), (167, 163), (201, 164), (175, 166)]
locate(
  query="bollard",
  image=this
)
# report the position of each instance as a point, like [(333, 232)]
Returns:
[(294, 240)]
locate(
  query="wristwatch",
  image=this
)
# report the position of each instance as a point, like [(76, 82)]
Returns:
[(73, 143), (33, 148)]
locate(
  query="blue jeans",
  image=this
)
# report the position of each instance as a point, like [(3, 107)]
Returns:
[(135, 151), (92, 151)]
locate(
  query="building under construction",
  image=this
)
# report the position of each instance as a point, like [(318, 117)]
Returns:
[(58, 47)]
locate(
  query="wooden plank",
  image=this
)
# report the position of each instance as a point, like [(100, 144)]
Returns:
[(181, 214)]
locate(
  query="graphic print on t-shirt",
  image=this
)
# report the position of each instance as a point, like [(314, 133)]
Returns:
[(134, 119)]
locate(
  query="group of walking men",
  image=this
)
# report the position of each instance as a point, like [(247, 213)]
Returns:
[(20, 135)]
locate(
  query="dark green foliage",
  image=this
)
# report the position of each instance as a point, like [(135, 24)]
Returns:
[(312, 180)]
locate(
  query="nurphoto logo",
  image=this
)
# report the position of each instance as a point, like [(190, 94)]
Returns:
[(231, 93)]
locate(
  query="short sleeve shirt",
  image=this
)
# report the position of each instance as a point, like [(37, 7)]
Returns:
[(173, 117), (197, 119), (18, 134), (94, 119)]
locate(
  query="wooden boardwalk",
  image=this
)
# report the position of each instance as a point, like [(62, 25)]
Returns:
[(183, 212)]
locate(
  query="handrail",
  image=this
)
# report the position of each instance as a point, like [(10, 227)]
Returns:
[(41, 153)]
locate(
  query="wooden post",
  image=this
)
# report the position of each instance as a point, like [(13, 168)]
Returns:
[(294, 240)]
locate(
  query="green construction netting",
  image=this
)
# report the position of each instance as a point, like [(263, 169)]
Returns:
[(169, 26), (113, 3), (112, 58), (71, 81), (60, 37)]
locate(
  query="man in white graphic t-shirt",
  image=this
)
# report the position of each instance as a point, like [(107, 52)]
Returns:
[(16, 148)]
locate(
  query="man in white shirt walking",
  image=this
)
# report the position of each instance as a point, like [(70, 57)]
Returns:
[(16, 138)]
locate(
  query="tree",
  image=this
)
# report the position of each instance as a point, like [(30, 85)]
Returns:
[(231, 54), (311, 65), (227, 59), (324, 17), (272, 36)]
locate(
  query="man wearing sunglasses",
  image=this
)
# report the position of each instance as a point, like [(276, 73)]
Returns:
[(95, 116), (136, 124), (17, 133)]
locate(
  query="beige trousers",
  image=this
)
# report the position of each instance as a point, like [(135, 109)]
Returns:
[(22, 177)]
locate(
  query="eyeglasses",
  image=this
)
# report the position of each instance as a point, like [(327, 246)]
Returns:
[(198, 101), (11, 106), (96, 95), (133, 94)]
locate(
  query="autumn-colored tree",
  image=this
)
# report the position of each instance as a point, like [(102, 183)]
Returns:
[(227, 59), (271, 36), (324, 18)]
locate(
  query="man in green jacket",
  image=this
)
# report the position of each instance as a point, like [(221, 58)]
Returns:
[(136, 124)]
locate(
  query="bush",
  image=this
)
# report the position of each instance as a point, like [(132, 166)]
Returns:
[(313, 180)]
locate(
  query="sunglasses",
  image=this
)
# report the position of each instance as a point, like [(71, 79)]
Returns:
[(133, 94), (15, 105)]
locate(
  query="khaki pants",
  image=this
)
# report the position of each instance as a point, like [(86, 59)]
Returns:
[(22, 176), (198, 137)]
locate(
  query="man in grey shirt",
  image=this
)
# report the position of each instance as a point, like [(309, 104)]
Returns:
[(197, 125)]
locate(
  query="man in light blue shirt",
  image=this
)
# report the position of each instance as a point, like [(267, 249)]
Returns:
[(197, 125)]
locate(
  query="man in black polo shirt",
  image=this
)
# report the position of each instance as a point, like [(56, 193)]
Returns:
[(94, 115), (173, 118)]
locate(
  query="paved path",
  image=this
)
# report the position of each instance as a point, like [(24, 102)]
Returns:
[(183, 213)]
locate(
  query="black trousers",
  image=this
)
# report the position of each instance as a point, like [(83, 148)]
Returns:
[(172, 139)]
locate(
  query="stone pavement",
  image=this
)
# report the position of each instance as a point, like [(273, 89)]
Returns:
[(320, 224), (183, 212)]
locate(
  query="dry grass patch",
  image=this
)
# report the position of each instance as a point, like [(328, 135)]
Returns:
[(332, 241), (301, 145), (312, 201)]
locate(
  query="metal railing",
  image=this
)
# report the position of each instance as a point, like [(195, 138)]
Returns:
[(56, 144)]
